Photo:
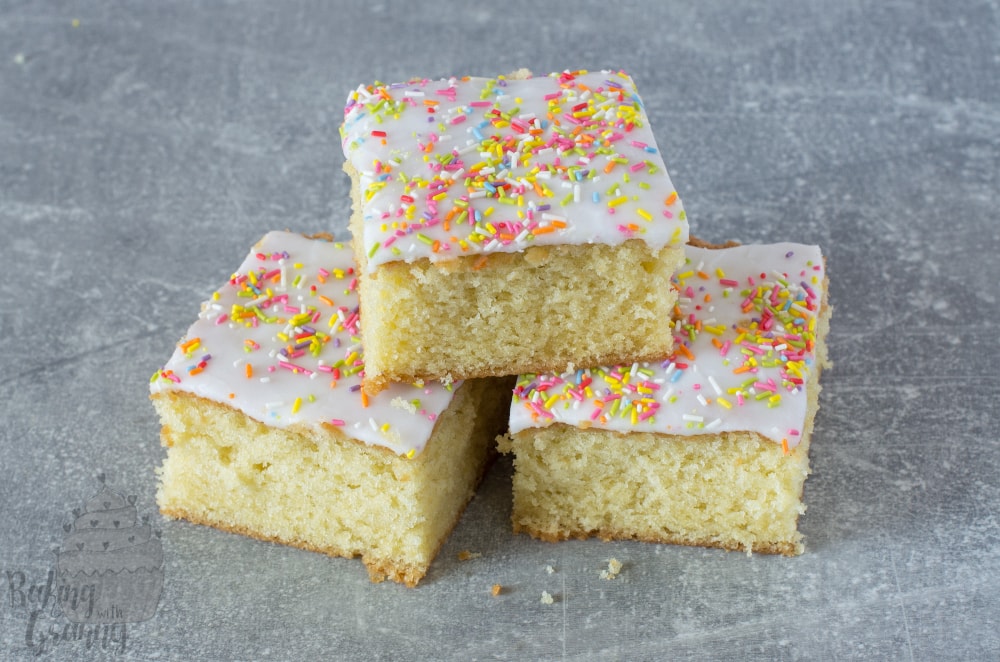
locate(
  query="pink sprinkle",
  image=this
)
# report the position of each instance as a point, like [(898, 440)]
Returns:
[(294, 368), (729, 282), (646, 414), (221, 319), (337, 421), (636, 167)]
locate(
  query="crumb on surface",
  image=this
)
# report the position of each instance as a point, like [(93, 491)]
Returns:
[(549, 569), (496, 590), (614, 567), (466, 555), (547, 598)]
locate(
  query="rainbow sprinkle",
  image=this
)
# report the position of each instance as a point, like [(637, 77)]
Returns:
[(281, 342), (740, 362), (473, 165)]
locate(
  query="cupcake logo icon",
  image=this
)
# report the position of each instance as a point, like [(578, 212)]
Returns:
[(110, 563)]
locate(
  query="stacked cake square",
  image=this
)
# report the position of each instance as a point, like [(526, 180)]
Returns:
[(346, 397)]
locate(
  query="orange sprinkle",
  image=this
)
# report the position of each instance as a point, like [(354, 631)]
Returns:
[(543, 230), (717, 343), (703, 275), (743, 368), (609, 167), (436, 246), (249, 371), (671, 199), (784, 446), (195, 371), (364, 399), (480, 263), (708, 298), (194, 342), (325, 299), (683, 349)]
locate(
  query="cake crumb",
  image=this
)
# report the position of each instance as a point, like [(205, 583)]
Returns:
[(496, 590), (549, 569), (402, 403), (547, 598), (466, 555), (614, 567)]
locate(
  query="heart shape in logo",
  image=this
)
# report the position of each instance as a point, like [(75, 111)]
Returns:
[(93, 523), (116, 523), (79, 545), (106, 545)]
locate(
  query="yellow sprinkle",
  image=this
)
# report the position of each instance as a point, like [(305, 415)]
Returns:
[(296, 405)]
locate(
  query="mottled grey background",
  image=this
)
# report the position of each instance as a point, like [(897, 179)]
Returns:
[(144, 146)]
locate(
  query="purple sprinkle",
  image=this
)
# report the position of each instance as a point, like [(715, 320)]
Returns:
[(355, 388), (789, 254)]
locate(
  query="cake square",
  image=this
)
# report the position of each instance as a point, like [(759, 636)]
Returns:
[(709, 447), (268, 433), (511, 224)]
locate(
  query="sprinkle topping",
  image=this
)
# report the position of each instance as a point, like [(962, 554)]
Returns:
[(475, 165), (744, 336), (280, 341)]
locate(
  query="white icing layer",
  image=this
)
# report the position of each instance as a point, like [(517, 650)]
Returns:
[(744, 333), (476, 165), (281, 343)]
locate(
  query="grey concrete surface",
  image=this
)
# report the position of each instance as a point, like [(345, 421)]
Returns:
[(145, 146)]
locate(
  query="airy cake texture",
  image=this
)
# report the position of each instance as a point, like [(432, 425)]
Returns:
[(323, 491), (509, 225), (709, 447), (269, 434)]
